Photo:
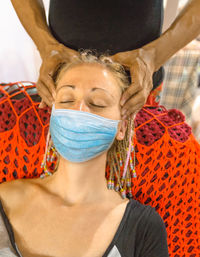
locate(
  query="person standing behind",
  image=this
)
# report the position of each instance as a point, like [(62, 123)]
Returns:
[(130, 31)]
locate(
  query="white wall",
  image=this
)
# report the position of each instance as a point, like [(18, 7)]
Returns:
[(172, 8), (19, 58)]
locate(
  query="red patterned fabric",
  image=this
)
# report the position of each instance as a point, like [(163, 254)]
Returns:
[(167, 160), (154, 96)]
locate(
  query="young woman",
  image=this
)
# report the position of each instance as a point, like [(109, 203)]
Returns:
[(72, 213)]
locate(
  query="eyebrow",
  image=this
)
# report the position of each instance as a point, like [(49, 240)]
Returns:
[(72, 86), (93, 89)]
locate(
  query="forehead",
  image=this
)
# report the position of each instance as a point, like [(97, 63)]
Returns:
[(89, 76)]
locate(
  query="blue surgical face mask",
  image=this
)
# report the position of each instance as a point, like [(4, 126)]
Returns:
[(80, 136)]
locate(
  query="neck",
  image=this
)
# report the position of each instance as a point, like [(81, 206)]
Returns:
[(82, 183)]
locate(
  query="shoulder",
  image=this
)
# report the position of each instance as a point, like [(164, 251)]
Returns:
[(15, 192), (147, 217), (151, 239)]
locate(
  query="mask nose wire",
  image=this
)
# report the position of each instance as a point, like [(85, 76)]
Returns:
[(81, 106)]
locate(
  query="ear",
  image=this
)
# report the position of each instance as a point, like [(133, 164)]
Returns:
[(122, 126)]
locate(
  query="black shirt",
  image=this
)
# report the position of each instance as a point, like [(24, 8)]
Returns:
[(107, 26), (141, 233)]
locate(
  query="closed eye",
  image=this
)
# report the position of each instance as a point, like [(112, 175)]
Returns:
[(66, 102), (99, 106), (95, 105)]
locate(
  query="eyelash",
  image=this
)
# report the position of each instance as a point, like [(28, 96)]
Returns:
[(99, 106)]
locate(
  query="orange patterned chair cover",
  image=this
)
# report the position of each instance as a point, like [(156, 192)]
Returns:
[(167, 160)]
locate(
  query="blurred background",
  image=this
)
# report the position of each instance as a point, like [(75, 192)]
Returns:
[(20, 61)]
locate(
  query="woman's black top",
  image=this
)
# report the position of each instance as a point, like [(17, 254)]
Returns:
[(141, 233), (107, 26)]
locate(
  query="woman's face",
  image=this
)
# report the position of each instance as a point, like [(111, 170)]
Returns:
[(90, 88)]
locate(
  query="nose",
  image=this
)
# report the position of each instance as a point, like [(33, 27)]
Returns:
[(81, 106)]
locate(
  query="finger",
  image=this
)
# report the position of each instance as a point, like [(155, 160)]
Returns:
[(43, 91), (139, 99), (46, 99), (47, 103), (132, 113), (133, 110), (49, 83), (130, 92), (42, 104), (132, 105), (136, 99), (137, 77), (125, 58)]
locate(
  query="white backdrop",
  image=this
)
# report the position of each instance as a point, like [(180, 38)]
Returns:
[(19, 58)]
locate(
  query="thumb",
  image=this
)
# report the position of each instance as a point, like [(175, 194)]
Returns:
[(42, 104)]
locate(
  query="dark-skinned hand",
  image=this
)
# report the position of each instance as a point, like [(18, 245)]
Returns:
[(140, 63), (51, 59)]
